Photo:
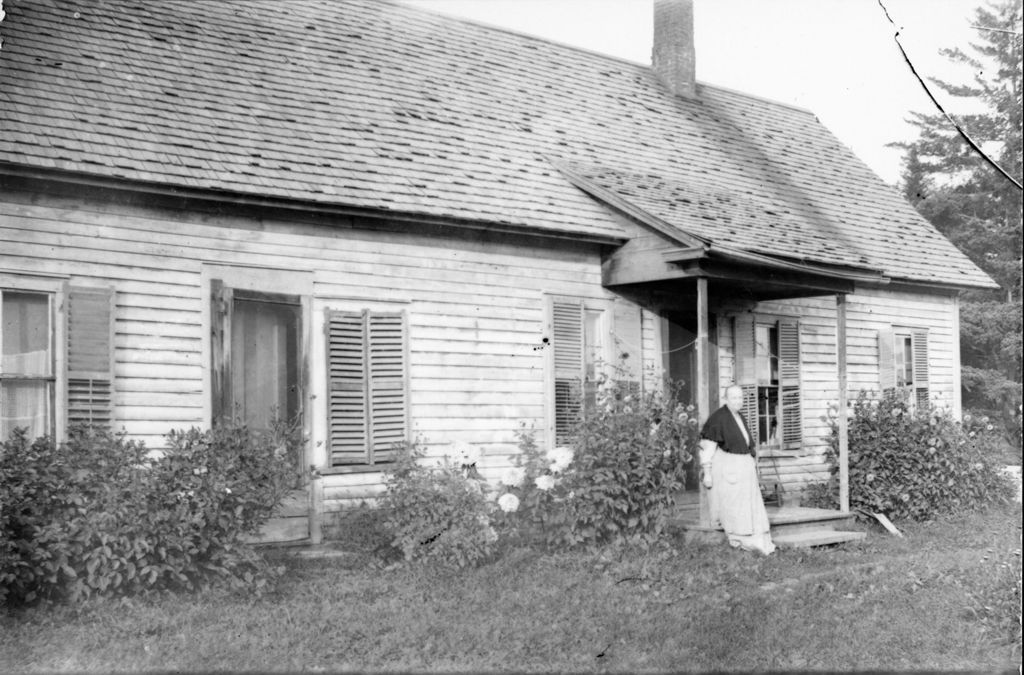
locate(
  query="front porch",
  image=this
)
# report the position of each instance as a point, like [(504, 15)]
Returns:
[(791, 526)]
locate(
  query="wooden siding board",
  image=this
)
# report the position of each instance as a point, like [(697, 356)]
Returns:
[(472, 308)]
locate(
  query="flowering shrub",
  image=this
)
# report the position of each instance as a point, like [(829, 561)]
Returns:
[(96, 516), (916, 463), (438, 514), (617, 483), (992, 436)]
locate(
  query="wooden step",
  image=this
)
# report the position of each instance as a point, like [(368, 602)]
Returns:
[(822, 537), (801, 519)]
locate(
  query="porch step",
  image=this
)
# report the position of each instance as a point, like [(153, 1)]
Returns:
[(789, 520), (790, 526), (822, 537)]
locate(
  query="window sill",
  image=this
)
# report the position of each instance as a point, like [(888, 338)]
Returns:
[(356, 468)]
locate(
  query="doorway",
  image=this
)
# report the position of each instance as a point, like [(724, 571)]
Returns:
[(257, 379), (679, 363)]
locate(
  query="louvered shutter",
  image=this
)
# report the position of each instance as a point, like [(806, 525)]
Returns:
[(90, 358), (789, 381), (221, 304), (745, 357), (886, 362), (387, 391), (745, 370), (567, 343), (367, 397), (919, 341), (348, 427)]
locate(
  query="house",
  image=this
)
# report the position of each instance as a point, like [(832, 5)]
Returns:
[(397, 224)]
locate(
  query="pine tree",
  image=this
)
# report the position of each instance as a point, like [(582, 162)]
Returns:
[(978, 208)]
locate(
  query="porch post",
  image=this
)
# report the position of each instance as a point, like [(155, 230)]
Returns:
[(703, 380), (844, 450)]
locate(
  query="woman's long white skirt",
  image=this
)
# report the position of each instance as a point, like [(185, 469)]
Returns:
[(735, 502)]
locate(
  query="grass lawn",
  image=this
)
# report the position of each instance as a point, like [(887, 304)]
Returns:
[(883, 604)]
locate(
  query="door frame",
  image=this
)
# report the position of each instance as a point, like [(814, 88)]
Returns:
[(255, 280)]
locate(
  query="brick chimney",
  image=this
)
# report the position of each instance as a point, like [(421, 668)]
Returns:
[(673, 58)]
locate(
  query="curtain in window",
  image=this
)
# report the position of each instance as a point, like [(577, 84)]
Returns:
[(25, 363)]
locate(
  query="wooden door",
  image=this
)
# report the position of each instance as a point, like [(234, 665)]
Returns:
[(258, 380)]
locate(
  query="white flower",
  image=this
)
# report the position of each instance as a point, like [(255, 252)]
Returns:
[(513, 477), (560, 458), (545, 482), (508, 502), (465, 454), (227, 490)]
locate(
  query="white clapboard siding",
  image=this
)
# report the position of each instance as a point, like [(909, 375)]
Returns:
[(475, 311), (868, 312)]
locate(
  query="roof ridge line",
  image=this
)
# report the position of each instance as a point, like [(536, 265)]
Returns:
[(758, 97), (408, 4)]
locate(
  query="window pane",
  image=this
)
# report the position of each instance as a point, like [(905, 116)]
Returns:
[(264, 361), (27, 404), (904, 361), (762, 354), (767, 414), (26, 334), (908, 361)]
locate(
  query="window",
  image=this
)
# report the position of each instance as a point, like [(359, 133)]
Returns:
[(768, 369), (903, 362), (579, 345), (367, 384), (56, 355), (27, 381)]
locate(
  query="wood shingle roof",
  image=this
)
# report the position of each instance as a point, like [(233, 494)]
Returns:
[(373, 105)]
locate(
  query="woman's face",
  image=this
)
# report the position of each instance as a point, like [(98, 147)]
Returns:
[(734, 399)]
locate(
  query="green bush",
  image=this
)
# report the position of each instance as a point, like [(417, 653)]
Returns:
[(997, 436), (437, 514), (916, 463), (617, 482), (95, 516)]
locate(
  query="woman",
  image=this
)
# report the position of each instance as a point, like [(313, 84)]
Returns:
[(730, 474)]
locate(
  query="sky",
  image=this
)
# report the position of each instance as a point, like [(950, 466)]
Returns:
[(836, 58)]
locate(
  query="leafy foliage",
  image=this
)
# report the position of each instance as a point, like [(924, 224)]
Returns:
[(628, 460), (916, 463), (96, 516), (978, 209), (437, 514)]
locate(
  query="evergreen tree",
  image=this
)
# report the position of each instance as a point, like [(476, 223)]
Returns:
[(977, 207)]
